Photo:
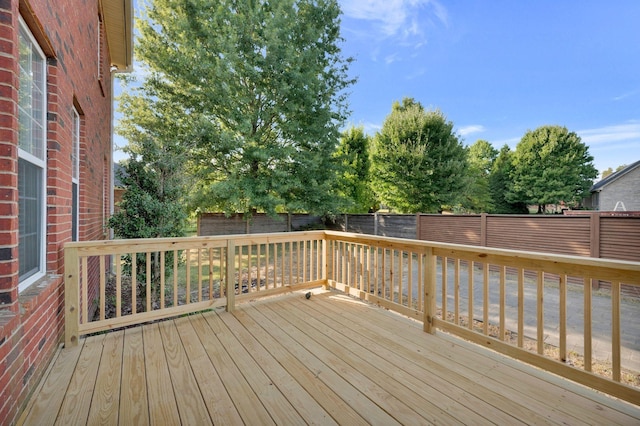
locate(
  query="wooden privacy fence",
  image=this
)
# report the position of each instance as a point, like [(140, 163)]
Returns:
[(211, 224), (590, 234), (518, 303)]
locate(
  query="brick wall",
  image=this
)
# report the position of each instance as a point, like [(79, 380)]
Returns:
[(31, 321), (625, 189)]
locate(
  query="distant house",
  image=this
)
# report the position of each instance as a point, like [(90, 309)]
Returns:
[(118, 186), (56, 68), (620, 191)]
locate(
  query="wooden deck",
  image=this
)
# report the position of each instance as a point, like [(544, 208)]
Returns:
[(288, 360)]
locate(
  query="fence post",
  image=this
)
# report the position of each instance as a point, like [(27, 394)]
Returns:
[(231, 276), (429, 274), (375, 223), (483, 229), (594, 249), (71, 296)]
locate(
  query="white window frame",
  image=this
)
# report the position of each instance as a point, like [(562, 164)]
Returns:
[(38, 162), (75, 173)]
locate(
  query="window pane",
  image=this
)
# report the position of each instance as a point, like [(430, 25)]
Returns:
[(75, 174), (30, 218), (31, 97), (74, 214), (31, 160)]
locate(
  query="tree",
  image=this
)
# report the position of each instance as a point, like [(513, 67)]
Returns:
[(353, 182), (500, 182), (551, 165), (260, 87), (418, 163), (475, 195), (151, 207), (610, 171)]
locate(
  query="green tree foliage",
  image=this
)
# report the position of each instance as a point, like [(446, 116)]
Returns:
[(551, 165), (353, 156), (610, 171), (475, 196), (259, 88), (417, 162), (151, 206), (500, 182)]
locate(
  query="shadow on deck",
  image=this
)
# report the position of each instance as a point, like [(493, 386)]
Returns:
[(291, 360)]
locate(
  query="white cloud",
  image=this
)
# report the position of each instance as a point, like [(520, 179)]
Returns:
[(394, 17), (391, 58), (468, 130), (627, 95), (621, 132)]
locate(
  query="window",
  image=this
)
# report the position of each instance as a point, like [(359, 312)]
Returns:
[(75, 175), (31, 160)]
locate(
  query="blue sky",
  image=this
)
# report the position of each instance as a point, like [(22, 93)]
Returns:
[(499, 68)]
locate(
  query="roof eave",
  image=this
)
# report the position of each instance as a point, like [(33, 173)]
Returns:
[(118, 22)]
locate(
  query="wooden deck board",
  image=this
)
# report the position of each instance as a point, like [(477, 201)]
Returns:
[(134, 408), (163, 407), (108, 382), (289, 360), (219, 404)]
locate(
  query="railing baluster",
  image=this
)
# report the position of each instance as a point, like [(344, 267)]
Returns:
[(148, 283), (444, 266), (587, 323), (175, 278), (118, 286), (470, 292), (520, 307), (485, 298), (199, 254), (563, 317), (267, 263), (85, 289), (163, 255), (230, 275), (103, 295), (456, 292), (285, 254), (210, 274), (615, 330), (134, 283), (187, 265), (410, 280), (540, 310), (259, 266), (503, 273), (400, 275)]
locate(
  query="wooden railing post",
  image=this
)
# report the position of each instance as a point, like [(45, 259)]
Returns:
[(231, 274), (71, 296), (325, 262), (429, 274)]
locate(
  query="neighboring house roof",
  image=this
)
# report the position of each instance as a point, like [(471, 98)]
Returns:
[(117, 170), (614, 176), (118, 23)]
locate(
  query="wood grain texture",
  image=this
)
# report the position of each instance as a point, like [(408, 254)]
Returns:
[(329, 359)]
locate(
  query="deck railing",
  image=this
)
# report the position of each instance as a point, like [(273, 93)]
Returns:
[(118, 283), (538, 308), (535, 307)]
